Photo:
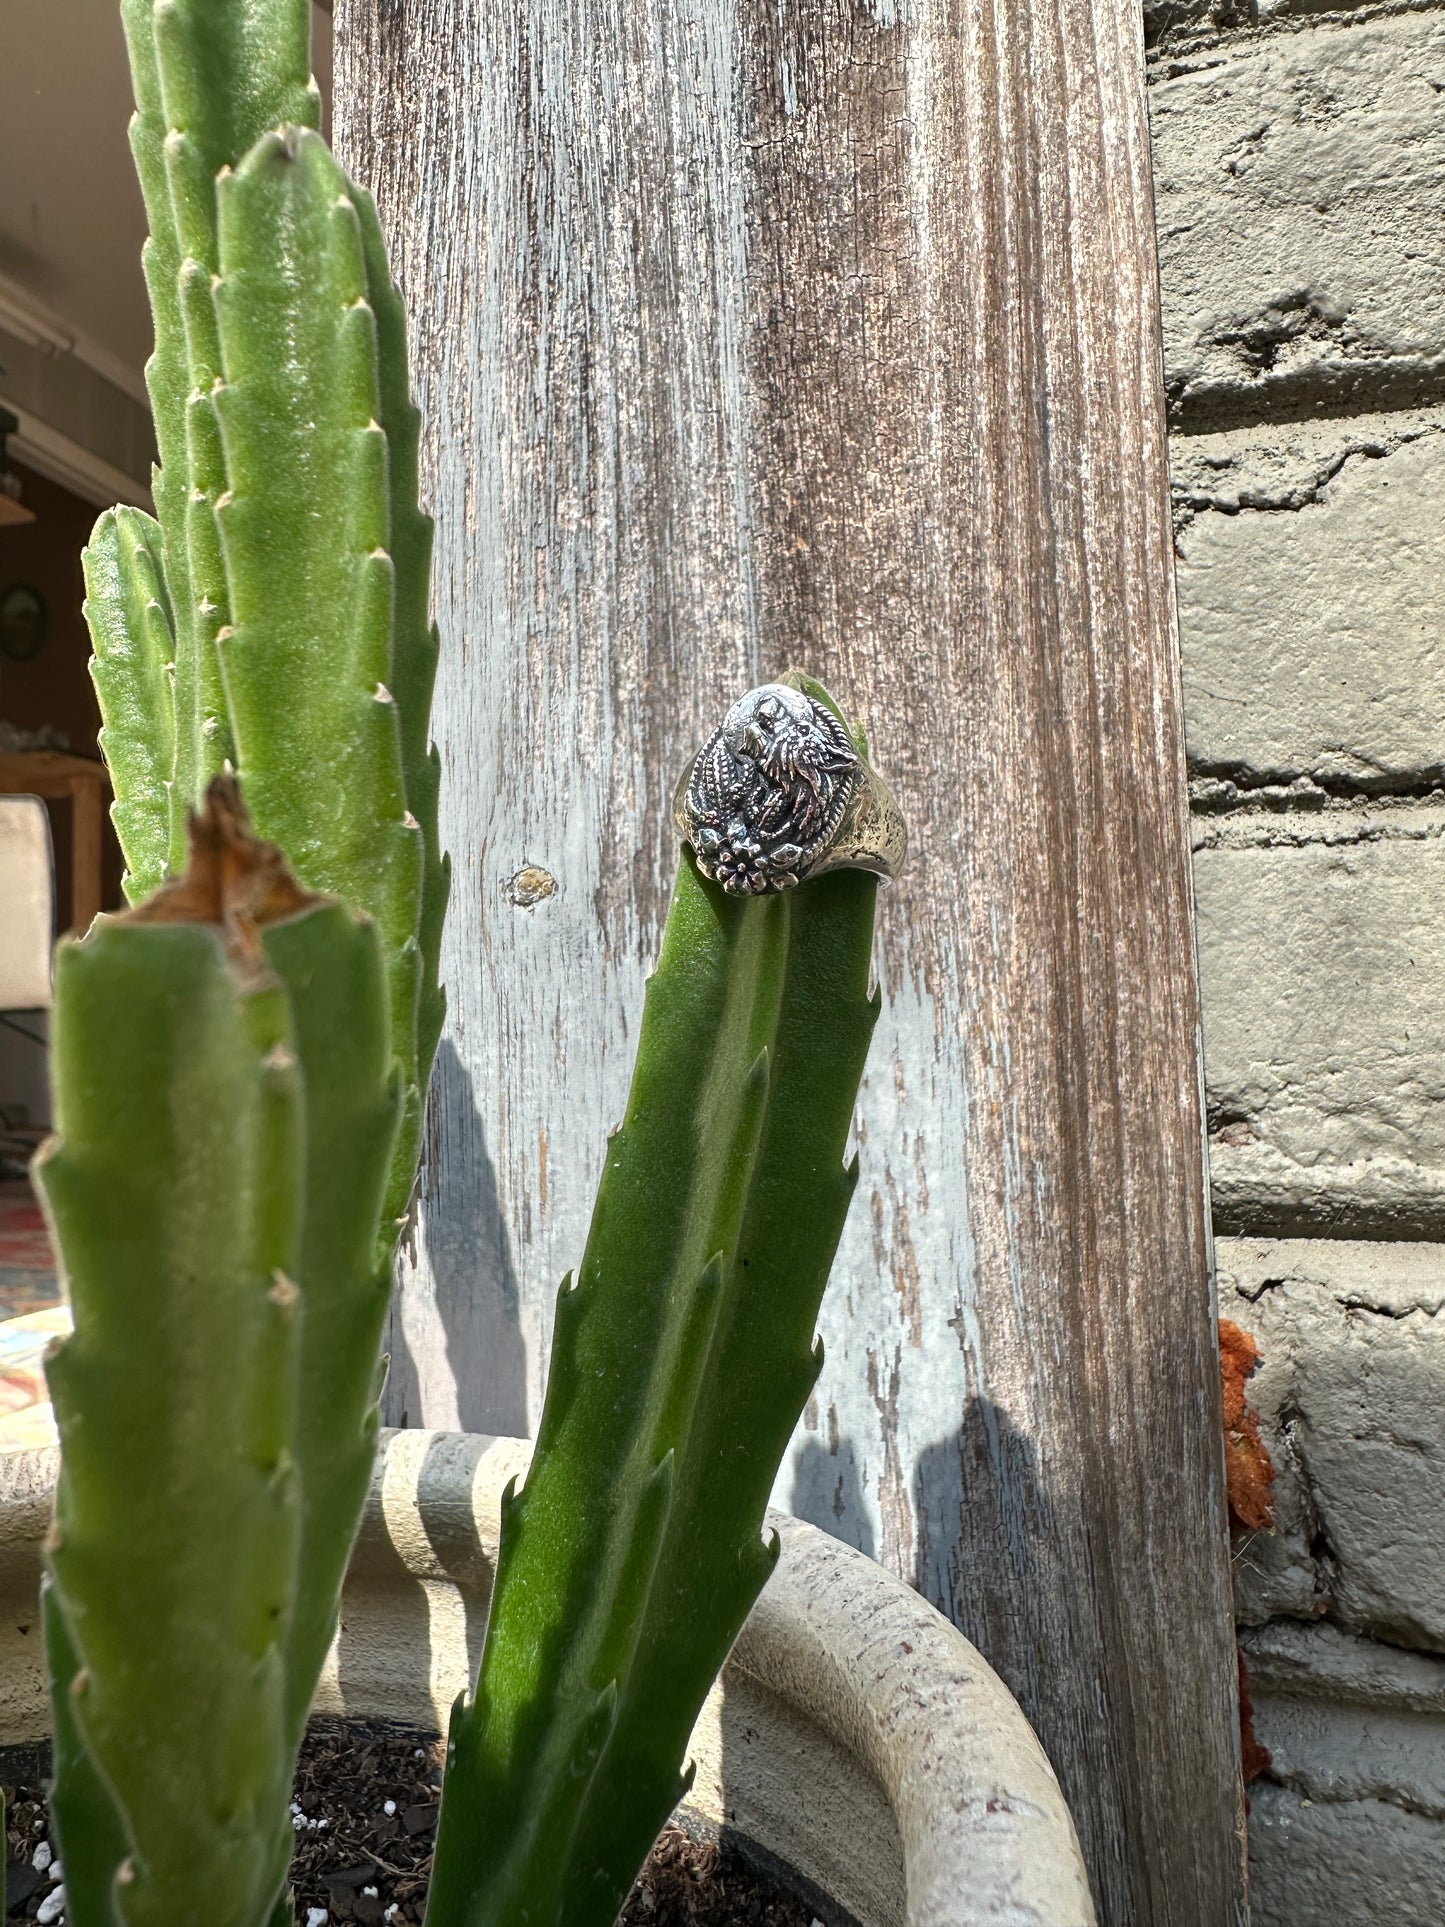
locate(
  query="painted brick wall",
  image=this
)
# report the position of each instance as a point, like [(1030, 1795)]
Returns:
[(1300, 180)]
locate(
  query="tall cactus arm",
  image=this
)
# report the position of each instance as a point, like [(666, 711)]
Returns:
[(133, 669), (320, 449), (330, 962), (579, 1539), (415, 644), (681, 1362), (210, 77), (228, 74), (308, 657), (279, 1008), (174, 1191), (761, 1365)]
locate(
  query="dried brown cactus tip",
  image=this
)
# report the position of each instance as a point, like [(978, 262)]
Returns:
[(234, 880)]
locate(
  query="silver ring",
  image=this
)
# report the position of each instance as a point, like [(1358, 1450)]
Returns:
[(780, 793)]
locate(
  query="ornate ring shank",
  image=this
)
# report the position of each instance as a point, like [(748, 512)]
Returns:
[(779, 793)]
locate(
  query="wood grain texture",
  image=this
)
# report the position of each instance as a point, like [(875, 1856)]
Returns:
[(748, 335)]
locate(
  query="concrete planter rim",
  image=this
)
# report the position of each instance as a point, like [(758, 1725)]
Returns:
[(855, 1736)]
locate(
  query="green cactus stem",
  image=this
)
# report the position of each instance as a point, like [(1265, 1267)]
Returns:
[(272, 620), (133, 668), (308, 654), (291, 562), (226, 1105), (681, 1361), (415, 644), (210, 77), (331, 965), (174, 1191)]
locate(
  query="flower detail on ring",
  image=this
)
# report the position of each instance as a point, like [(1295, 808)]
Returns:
[(768, 790)]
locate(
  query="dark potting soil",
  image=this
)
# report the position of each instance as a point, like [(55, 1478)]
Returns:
[(365, 1808)]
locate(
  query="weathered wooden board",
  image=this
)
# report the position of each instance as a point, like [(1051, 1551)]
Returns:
[(829, 333)]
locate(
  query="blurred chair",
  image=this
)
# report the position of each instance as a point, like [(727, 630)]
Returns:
[(27, 933), (27, 904)]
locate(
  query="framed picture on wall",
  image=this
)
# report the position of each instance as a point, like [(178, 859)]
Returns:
[(24, 623)]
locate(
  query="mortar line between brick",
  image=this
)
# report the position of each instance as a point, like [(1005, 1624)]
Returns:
[(1196, 49)]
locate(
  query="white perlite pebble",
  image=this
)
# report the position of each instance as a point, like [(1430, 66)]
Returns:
[(42, 1856), (388, 1807), (315, 1917), (52, 1907), (57, 1872)]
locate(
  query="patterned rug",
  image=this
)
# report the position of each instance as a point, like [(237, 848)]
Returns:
[(27, 1268), (31, 1314)]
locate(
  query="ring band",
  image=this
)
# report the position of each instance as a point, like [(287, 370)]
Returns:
[(780, 793)]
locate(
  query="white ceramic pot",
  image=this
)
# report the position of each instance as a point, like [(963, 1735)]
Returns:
[(855, 1738)]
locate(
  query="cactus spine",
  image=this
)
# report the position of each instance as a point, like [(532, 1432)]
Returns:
[(681, 1360)]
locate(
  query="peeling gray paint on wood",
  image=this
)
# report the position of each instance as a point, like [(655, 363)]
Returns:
[(749, 335)]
